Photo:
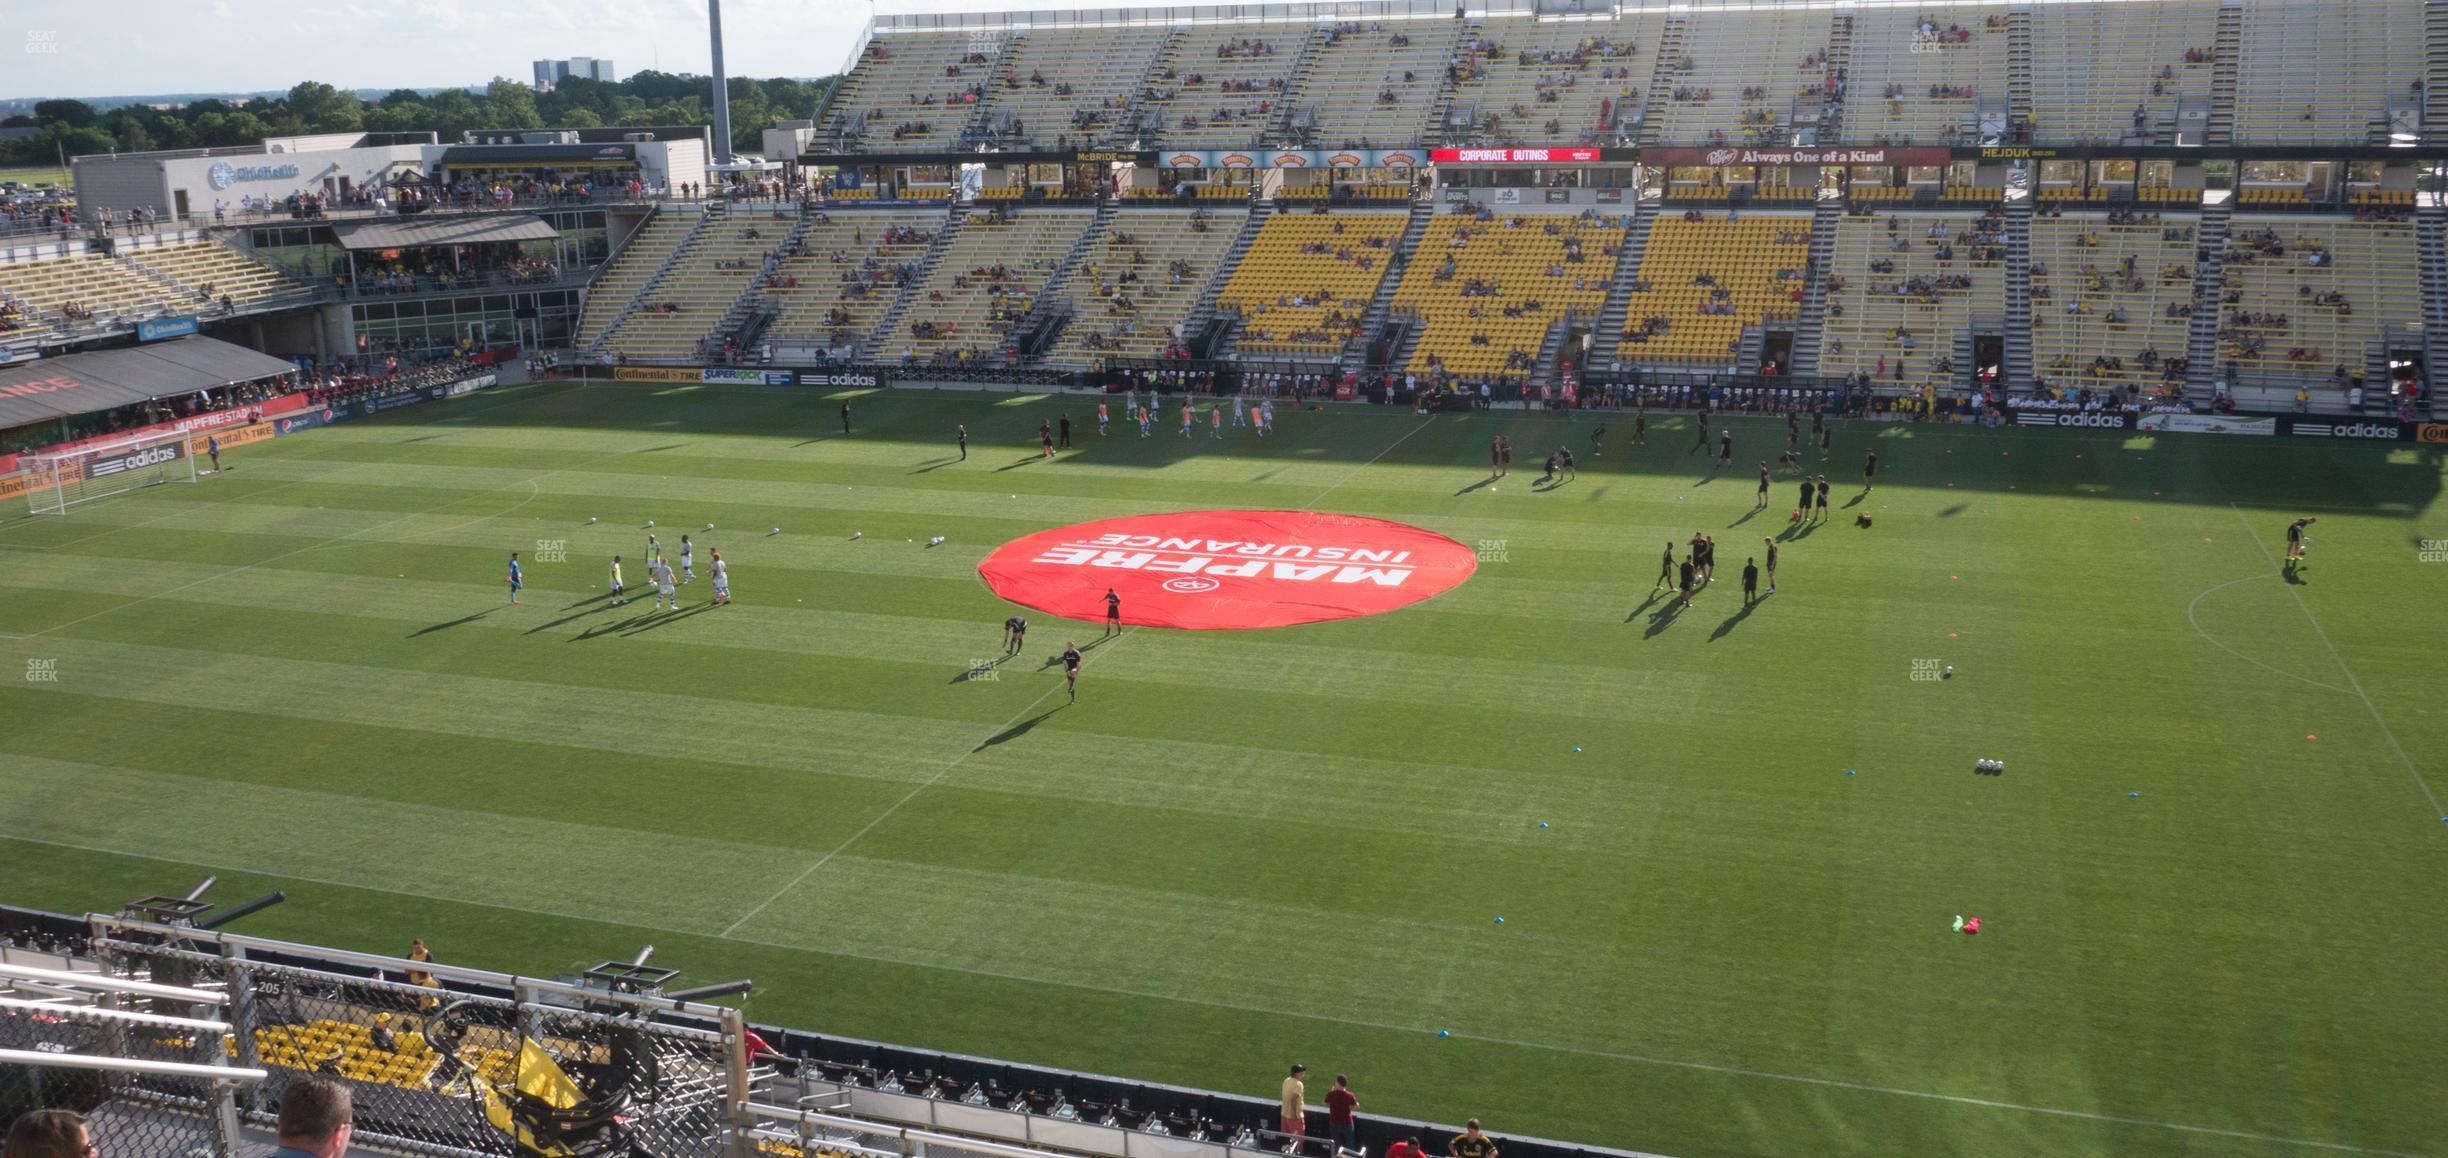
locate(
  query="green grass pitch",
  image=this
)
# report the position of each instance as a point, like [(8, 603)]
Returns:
[(1243, 849)]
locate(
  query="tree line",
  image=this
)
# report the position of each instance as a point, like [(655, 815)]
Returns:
[(71, 127)]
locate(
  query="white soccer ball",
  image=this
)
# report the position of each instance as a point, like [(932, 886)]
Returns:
[(709, 526), (590, 520), (1950, 669), (650, 522), (853, 534)]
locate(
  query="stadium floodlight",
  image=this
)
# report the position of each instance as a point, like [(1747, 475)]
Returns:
[(62, 480)]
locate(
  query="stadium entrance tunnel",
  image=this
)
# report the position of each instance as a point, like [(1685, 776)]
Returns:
[(1228, 570)]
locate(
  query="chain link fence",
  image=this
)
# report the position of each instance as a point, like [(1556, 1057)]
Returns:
[(490, 1066), (127, 1109)]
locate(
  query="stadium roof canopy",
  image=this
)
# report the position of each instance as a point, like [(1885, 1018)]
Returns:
[(108, 379), (444, 231)]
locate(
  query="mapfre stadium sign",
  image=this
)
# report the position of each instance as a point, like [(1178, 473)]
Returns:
[(1222, 570)]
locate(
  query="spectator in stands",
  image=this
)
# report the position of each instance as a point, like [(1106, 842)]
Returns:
[(316, 1119), (50, 1134), (1470, 1143), (1340, 1102)]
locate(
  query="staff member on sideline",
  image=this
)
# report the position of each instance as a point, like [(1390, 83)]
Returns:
[(1295, 1102)]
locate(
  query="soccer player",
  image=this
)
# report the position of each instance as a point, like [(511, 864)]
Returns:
[(1802, 502), (2296, 542), (1504, 455), (1725, 448), (1551, 469), (1071, 662), (1015, 630), (1762, 504), (619, 590), (1598, 441), (960, 434), (1640, 428), (212, 446), (1065, 432), (1215, 420), (1238, 419), (845, 418), (1144, 418), (1827, 435), (1570, 471), (1793, 437), (1113, 612), (1102, 419), (1266, 417), (688, 561), (666, 592), (1708, 559), (1496, 457), (654, 555), (1822, 513), (1189, 419), (1687, 572), (1869, 471), (1751, 580), (722, 580), (516, 580), (1045, 434), (1772, 552), (1666, 569), (1701, 447)]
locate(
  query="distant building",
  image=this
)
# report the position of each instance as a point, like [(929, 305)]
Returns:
[(552, 72)]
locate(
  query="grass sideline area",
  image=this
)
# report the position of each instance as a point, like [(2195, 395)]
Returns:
[(2206, 932)]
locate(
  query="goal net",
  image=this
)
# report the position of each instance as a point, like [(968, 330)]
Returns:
[(60, 481)]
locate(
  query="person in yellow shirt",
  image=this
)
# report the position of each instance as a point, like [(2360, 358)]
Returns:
[(1295, 1102)]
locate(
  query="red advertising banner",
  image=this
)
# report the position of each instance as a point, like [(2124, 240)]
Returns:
[(1553, 156), (1797, 155)]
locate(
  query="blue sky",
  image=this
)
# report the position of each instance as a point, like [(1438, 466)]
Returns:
[(76, 48)]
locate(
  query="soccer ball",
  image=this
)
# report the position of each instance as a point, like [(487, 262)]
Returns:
[(853, 534), (1950, 671), (1797, 516), (650, 522), (709, 526)]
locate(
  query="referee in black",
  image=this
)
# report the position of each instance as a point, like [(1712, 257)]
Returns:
[(1113, 612)]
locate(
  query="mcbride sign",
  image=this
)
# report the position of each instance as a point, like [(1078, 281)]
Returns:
[(225, 174)]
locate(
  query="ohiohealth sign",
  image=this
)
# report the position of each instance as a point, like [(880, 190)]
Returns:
[(225, 174)]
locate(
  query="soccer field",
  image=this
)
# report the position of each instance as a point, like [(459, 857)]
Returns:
[(1726, 845)]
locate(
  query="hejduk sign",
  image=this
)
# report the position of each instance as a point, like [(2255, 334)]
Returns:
[(1226, 570)]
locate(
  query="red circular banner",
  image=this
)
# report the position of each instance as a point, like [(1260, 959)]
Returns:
[(1225, 570)]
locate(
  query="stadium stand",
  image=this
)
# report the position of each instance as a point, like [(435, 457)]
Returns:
[(2301, 297), (2324, 71), (1070, 86), (1906, 288), (850, 267), (1308, 278), (1704, 278), (87, 289), (987, 278), (211, 270), (1486, 291), (1918, 74), (628, 272), (1142, 279), (2114, 73), (709, 273), (1219, 86), (1552, 82), (1738, 74), (910, 91), (2112, 298), (1374, 84)]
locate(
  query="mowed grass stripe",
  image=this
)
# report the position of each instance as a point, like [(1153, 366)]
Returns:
[(444, 851), (760, 735), (674, 785)]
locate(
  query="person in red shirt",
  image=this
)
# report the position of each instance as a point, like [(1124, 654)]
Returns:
[(1340, 1102), (1407, 1148)]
